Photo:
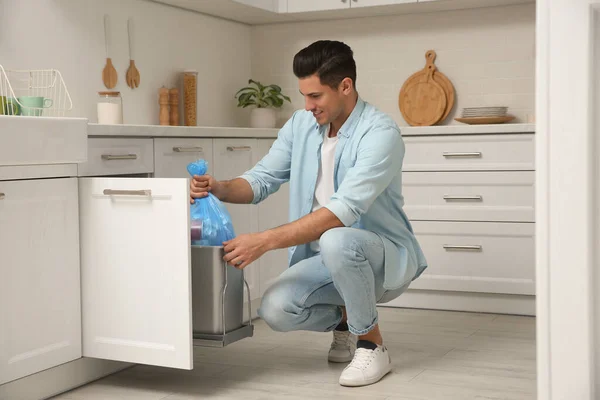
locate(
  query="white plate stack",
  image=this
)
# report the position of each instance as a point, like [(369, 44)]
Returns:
[(478, 112), (485, 115)]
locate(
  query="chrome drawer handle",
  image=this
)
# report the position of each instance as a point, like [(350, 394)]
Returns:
[(109, 157), (462, 247), (476, 198), (116, 192), (471, 155), (239, 148), (2, 196), (187, 149)]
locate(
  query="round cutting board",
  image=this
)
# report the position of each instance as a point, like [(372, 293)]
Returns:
[(423, 100)]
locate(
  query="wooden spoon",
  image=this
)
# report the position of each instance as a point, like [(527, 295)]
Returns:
[(109, 74), (133, 75)]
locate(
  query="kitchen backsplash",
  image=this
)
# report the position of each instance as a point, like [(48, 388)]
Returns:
[(69, 35), (487, 53)]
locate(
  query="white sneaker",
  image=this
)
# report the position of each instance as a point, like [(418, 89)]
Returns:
[(367, 367), (343, 347)]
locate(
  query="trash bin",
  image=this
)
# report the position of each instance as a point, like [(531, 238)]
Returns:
[(217, 299)]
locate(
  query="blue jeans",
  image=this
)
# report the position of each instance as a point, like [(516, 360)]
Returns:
[(349, 271)]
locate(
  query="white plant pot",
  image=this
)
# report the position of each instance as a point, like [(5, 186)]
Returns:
[(263, 118)]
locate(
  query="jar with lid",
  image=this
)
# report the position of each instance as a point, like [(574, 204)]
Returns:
[(190, 82), (110, 108)]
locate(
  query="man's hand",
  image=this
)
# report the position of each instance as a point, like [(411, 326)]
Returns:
[(245, 249), (200, 186)]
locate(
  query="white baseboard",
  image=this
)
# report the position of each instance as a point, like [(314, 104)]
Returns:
[(59, 379), (463, 301)]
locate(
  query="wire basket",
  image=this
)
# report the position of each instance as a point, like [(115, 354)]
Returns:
[(40, 92)]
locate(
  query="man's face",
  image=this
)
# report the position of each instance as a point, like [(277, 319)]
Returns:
[(325, 103)]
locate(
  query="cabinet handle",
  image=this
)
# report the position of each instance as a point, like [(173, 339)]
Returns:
[(2, 196), (475, 154), (239, 148), (476, 198), (116, 192), (344, 1), (187, 149), (109, 157), (462, 247)]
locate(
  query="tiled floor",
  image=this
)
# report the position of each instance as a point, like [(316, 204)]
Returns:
[(436, 355)]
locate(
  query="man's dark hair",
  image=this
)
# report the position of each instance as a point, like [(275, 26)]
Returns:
[(331, 60)]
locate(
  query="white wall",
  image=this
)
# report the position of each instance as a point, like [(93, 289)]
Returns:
[(487, 53), (69, 35)]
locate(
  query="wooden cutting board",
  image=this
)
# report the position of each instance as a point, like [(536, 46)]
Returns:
[(427, 96)]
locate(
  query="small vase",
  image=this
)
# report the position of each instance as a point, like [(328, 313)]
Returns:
[(263, 118)]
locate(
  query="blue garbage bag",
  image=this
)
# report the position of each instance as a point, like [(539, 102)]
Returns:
[(210, 221)]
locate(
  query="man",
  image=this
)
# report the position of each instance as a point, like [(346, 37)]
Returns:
[(350, 242)]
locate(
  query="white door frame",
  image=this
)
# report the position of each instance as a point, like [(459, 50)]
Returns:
[(566, 198)]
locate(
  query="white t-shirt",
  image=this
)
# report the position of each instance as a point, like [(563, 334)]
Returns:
[(324, 189)]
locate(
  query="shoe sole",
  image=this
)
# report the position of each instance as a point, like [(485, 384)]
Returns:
[(367, 382), (340, 359)]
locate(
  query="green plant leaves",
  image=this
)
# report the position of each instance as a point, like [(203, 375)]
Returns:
[(261, 96)]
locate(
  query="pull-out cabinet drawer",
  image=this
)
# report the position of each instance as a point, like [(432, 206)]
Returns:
[(136, 274), (477, 256)]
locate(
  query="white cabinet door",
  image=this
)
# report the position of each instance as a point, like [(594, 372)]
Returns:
[(40, 307), (269, 5), (172, 155), (372, 3), (272, 212), (232, 158), (316, 5), (135, 270)]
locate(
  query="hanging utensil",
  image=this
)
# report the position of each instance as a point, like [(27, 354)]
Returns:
[(133, 75), (109, 74)]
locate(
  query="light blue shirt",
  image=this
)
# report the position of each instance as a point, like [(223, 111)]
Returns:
[(367, 183)]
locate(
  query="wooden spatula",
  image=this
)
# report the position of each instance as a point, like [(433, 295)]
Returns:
[(133, 75), (109, 73)]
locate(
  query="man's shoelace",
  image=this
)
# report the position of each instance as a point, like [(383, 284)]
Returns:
[(340, 339), (362, 358)]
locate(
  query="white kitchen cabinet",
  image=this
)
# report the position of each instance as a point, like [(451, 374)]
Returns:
[(40, 308), (501, 152), (268, 5), (118, 156), (136, 270), (322, 5), (272, 212), (294, 6), (233, 157), (477, 257), (373, 3), (172, 156), (497, 196)]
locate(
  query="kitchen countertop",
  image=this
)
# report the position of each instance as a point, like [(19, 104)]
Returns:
[(227, 132)]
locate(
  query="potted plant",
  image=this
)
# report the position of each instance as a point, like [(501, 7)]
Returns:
[(266, 99)]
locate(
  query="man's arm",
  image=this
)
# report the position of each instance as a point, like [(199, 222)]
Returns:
[(237, 191), (304, 230)]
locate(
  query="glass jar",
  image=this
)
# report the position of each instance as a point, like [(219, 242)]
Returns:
[(190, 82), (110, 108)]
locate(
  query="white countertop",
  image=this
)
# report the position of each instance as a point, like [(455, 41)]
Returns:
[(226, 132), (179, 131)]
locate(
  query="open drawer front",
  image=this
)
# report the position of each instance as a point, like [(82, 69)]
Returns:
[(136, 274)]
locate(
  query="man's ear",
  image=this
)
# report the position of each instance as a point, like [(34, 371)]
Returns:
[(346, 86)]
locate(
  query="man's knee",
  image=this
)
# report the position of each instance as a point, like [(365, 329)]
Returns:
[(337, 248), (334, 240), (277, 311)]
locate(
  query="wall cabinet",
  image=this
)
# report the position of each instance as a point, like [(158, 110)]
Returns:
[(321, 5)]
